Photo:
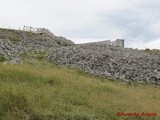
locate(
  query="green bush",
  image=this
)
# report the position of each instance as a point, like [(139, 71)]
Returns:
[(41, 55), (14, 39), (2, 59)]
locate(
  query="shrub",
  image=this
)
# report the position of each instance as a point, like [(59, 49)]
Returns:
[(2, 59), (14, 39)]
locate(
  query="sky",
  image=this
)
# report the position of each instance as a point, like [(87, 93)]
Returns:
[(82, 21)]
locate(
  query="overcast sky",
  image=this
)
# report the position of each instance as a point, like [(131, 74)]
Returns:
[(136, 21)]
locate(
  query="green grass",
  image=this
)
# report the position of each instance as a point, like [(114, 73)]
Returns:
[(40, 55), (153, 51), (14, 39), (43, 91)]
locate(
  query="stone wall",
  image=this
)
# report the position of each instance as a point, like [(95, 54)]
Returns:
[(117, 42)]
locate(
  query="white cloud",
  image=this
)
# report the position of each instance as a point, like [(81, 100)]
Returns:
[(155, 44), (87, 20), (156, 27)]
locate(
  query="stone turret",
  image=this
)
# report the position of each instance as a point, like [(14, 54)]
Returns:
[(119, 42)]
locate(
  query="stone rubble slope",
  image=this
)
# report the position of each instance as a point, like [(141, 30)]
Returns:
[(111, 62), (27, 41), (13, 51)]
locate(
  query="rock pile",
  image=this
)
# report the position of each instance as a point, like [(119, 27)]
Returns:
[(111, 62), (13, 43), (9, 50)]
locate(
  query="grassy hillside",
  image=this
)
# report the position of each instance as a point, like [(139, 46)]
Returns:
[(43, 91)]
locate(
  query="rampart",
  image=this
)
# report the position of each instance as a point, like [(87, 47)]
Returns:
[(117, 42)]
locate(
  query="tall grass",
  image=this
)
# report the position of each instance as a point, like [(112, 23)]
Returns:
[(42, 91)]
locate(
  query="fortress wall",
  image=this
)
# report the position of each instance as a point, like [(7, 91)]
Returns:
[(117, 42)]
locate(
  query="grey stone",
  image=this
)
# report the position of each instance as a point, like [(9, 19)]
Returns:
[(111, 62)]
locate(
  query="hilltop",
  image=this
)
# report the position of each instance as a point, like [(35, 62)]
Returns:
[(13, 43), (105, 59)]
